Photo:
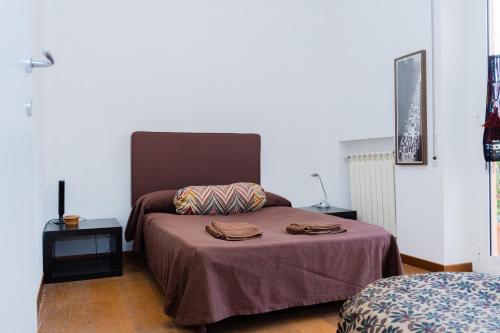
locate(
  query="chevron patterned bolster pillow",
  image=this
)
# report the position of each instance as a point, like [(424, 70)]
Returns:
[(230, 199)]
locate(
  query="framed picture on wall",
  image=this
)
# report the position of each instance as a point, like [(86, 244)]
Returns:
[(411, 109)]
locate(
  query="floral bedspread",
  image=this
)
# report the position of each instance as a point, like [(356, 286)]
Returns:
[(425, 303)]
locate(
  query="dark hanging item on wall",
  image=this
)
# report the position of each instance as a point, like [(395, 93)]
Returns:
[(491, 137)]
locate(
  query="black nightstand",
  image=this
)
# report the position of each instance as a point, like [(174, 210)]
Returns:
[(81, 267), (340, 212)]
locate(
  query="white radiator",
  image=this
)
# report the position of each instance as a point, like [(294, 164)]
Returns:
[(372, 188)]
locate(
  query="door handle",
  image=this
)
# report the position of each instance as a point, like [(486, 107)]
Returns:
[(47, 62)]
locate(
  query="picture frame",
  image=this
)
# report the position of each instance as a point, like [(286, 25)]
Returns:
[(410, 97)]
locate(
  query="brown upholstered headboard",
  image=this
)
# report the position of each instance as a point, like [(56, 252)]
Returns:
[(169, 161)]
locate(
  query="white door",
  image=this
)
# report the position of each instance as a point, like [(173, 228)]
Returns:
[(20, 263), (490, 232)]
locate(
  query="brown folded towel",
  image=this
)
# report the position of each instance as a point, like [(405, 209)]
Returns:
[(233, 231), (314, 229)]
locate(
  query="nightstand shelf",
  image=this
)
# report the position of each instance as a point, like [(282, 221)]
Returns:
[(335, 211), (81, 267), (87, 267)]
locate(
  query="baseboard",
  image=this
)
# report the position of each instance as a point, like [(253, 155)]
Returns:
[(465, 267), (435, 267)]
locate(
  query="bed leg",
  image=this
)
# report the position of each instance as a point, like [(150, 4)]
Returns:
[(201, 329)]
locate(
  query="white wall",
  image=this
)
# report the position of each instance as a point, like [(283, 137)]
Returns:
[(463, 90), (218, 66), (305, 75), (366, 36), (442, 209)]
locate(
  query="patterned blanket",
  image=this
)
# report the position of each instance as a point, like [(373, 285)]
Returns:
[(425, 303)]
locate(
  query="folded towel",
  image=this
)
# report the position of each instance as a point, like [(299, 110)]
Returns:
[(314, 229), (233, 231)]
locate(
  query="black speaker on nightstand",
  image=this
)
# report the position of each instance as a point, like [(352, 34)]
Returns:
[(61, 201)]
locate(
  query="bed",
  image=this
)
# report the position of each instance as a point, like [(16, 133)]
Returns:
[(205, 279), (433, 302)]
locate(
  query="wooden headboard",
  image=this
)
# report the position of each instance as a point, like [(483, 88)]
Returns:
[(169, 161)]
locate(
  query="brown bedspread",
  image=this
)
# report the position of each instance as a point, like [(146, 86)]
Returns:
[(206, 279)]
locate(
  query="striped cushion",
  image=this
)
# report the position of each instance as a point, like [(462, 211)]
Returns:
[(219, 199)]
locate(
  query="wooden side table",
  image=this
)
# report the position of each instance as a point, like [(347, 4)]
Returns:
[(335, 211), (89, 266)]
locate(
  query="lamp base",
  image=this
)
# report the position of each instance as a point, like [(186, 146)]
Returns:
[(322, 205)]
